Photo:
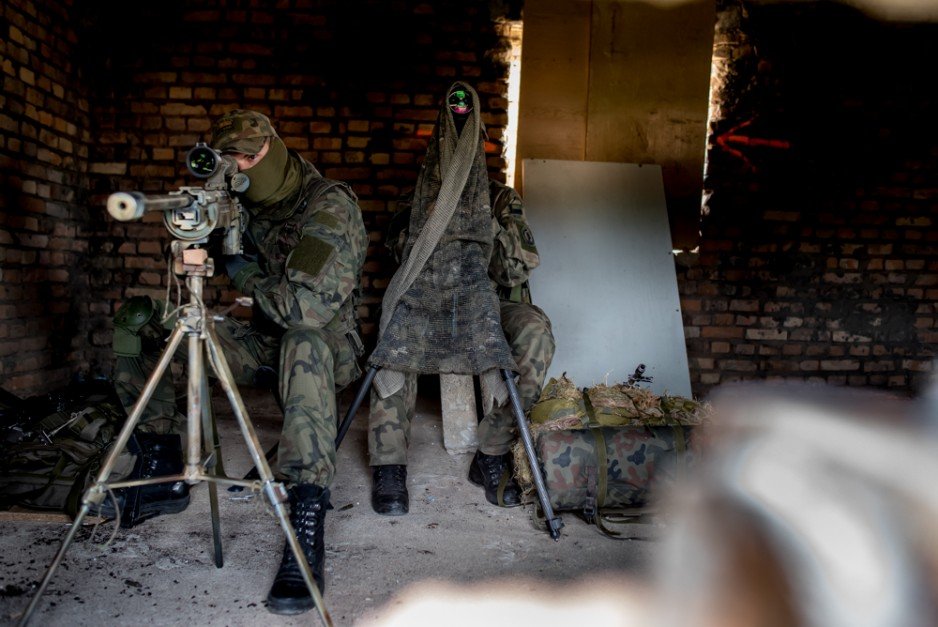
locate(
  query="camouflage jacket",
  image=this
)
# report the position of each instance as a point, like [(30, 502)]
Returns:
[(311, 248), (514, 254)]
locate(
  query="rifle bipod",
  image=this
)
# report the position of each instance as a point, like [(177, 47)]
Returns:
[(197, 325)]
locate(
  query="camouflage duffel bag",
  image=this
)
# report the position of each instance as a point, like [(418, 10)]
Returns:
[(597, 470)]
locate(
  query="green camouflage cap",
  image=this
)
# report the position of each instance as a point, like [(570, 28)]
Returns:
[(241, 130)]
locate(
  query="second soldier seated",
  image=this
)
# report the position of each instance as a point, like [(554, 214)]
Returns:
[(525, 327)]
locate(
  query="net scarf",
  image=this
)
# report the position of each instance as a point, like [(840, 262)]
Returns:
[(440, 313)]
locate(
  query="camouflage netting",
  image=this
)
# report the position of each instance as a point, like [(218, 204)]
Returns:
[(441, 313), (563, 406)]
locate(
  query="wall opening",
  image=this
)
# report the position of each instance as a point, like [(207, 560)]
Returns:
[(719, 67), (513, 29)]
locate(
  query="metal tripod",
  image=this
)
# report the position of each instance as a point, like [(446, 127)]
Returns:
[(198, 326), (554, 523)]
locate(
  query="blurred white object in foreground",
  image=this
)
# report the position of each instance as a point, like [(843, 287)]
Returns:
[(610, 601), (815, 507)]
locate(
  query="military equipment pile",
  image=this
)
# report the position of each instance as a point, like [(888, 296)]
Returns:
[(640, 439)]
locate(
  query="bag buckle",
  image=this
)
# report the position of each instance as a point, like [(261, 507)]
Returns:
[(589, 510)]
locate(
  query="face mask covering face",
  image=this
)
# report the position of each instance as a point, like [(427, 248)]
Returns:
[(270, 178)]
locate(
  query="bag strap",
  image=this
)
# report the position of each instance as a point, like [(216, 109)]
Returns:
[(77, 491), (588, 406), (601, 465), (596, 477), (502, 483), (680, 447), (641, 516)]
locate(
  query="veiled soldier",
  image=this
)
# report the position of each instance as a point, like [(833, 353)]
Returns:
[(304, 247), (442, 314)]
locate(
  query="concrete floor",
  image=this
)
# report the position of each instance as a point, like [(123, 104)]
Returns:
[(162, 573)]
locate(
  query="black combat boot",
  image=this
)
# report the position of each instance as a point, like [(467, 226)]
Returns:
[(495, 474), (289, 594), (389, 490), (157, 455)]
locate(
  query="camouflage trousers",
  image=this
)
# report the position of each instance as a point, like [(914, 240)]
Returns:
[(313, 364), (529, 335)]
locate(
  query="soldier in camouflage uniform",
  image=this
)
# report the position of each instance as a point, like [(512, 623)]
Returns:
[(304, 247), (529, 335)]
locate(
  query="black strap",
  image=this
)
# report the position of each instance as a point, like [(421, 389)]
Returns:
[(73, 500)]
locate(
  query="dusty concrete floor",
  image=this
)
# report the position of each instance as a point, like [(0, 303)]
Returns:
[(162, 573)]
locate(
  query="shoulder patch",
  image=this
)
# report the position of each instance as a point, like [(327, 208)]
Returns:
[(311, 255), (327, 219)]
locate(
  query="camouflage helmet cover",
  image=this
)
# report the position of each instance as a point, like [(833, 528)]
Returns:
[(241, 130)]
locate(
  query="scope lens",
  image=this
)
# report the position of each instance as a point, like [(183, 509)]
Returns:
[(202, 161)]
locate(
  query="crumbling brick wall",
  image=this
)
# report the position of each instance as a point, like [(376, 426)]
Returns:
[(819, 253)]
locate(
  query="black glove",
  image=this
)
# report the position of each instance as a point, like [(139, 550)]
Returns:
[(240, 268), (235, 263)]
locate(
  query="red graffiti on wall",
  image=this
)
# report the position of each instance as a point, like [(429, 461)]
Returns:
[(733, 142)]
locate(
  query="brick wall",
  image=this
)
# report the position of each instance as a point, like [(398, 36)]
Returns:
[(819, 257), (45, 304), (353, 86)]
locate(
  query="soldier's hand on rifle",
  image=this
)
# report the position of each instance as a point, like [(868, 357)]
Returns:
[(241, 268)]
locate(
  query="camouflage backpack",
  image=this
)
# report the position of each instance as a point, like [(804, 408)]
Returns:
[(604, 451), (51, 446)]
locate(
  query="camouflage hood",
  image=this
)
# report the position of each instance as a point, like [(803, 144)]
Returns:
[(440, 313)]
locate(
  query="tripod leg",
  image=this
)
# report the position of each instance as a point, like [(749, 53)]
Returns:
[(350, 414), (96, 493), (275, 491), (211, 446), (554, 523), (343, 428)]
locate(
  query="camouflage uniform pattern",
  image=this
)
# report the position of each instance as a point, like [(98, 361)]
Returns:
[(526, 327), (389, 422), (529, 335), (441, 315), (515, 253), (311, 248), (638, 461)]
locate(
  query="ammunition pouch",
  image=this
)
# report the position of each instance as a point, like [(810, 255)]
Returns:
[(130, 318)]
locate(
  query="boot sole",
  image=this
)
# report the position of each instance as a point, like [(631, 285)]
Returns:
[(291, 607), (395, 509)]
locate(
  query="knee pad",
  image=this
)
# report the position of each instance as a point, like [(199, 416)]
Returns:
[(133, 315)]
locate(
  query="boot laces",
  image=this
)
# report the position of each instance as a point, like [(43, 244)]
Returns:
[(305, 520), (492, 468)]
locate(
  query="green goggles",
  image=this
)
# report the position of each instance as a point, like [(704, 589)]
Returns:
[(460, 102)]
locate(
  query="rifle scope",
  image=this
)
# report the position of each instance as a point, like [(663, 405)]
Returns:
[(202, 161)]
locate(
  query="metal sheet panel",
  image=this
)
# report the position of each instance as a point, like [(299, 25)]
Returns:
[(606, 278)]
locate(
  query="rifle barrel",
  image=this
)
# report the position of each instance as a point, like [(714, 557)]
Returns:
[(126, 206)]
